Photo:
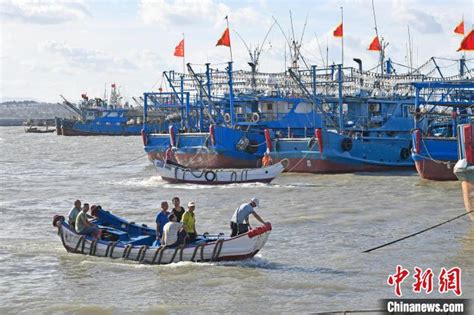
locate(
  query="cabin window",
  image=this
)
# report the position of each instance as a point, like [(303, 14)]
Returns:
[(303, 108)]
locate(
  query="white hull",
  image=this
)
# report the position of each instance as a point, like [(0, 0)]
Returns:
[(177, 174), (224, 248)]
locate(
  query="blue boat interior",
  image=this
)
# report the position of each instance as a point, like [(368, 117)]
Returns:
[(124, 232)]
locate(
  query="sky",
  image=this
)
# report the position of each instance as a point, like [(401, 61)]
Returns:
[(70, 47)]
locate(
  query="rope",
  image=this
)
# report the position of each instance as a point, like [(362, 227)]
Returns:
[(217, 250), (112, 250), (352, 311), (419, 232), (303, 158), (159, 251), (429, 155), (195, 251), (124, 163), (81, 239), (92, 247), (126, 251)]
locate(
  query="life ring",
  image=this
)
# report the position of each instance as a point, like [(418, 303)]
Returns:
[(208, 178), (346, 144), (405, 153), (57, 218), (255, 117), (372, 107), (227, 117)]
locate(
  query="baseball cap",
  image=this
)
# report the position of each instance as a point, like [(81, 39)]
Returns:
[(255, 201), (191, 204)]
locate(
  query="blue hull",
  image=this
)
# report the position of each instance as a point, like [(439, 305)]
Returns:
[(201, 150), (343, 156), (435, 157)]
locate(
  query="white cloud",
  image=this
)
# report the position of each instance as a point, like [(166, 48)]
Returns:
[(422, 21), (178, 12), (88, 59), (43, 11), (167, 13)]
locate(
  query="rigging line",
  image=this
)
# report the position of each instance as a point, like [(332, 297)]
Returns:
[(417, 233)]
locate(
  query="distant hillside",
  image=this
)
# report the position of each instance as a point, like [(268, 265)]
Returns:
[(16, 112)]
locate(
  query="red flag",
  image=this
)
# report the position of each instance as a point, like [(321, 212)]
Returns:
[(225, 39), (179, 50), (460, 28), (375, 44), (468, 42), (338, 31)]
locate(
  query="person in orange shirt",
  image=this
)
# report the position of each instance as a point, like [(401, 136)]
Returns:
[(267, 159)]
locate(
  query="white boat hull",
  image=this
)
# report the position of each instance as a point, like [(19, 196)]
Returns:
[(177, 174)]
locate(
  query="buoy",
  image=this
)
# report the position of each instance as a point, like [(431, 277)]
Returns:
[(268, 140)]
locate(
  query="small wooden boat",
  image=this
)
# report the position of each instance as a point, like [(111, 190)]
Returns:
[(176, 173), (127, 240), (32, 129)]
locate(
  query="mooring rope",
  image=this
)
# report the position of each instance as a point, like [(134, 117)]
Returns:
[(350, 312), (127, 162), (419, 232)]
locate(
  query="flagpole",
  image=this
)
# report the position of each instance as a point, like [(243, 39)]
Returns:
[(342, 37), (230, 45), (184, 56)]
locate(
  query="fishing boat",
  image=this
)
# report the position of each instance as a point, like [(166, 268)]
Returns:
[(228, 128), (112, 117), (130, 241), (441, 107), (176, 173), (34, 129), (374, 135)]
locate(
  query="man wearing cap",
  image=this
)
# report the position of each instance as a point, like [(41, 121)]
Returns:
[(189, 223), (239, 223), (161, 220)]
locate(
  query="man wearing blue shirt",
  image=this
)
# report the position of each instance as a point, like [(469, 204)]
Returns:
[(161, 220), (239, 223)]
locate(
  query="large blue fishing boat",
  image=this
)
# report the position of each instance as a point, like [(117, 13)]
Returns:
[(441, 106), (112, 118), (228, 131)]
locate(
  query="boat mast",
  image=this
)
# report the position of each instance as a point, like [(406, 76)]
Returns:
[(377, 34)]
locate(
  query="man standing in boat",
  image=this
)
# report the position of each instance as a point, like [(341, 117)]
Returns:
[(189, 223), (239, 223), (177, 209), (161, 220)]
